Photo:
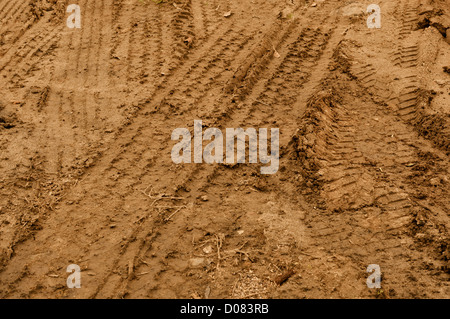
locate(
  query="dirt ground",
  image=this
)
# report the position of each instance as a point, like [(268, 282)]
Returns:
[(86, 175)]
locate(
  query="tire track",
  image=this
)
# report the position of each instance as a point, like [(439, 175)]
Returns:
[(57, 101), (195, 179), (200, 24), (366, 177), (33, 57), (181, 28), (182, 71), (10, 32), (405, 89), (128, 254), (130, 133), (135, 235), (31, 43), (371, 205), (206, 72), (18, 12), (4, 5), (360, 171), (7, 9), (135, 52)]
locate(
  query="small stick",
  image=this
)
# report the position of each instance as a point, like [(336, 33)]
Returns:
[(244, 253), (201, 244), (233, 251), (279, 280), (143, 261), (171, 215), (219, 245)]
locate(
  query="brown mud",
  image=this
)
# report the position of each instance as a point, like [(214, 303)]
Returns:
[(86, 175)]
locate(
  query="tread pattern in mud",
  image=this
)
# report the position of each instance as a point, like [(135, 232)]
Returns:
[(113, 91), (406, 92), (359, 161)]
